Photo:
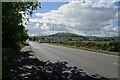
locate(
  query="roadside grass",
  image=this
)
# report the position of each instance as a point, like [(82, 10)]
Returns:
[(108, 47), (7, 56)]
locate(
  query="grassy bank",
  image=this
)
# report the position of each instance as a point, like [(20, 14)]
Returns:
[(7, 56), (113, 47)]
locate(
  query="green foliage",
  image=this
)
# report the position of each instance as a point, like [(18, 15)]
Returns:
[(13, 30), (100, 45), (114, 46), (5, 60), (8, 54), (33, 38)]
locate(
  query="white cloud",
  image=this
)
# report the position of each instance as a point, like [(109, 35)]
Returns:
[(44, 27), (105, 3), (82, 18)]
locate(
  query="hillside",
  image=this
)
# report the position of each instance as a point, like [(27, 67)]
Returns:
[(67, 34), (73, 35)]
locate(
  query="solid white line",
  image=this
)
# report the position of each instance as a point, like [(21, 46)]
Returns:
[(117, 64), (100, 53), (107, 54), (86, 56)]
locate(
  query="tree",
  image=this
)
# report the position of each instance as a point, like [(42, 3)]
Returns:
[(13, 30)]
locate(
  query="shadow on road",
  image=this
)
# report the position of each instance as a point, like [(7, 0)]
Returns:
[(26, 67)]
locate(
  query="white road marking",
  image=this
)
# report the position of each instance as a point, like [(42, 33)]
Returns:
[(86, 56), (117, 64), (107, 54), (100, 53)]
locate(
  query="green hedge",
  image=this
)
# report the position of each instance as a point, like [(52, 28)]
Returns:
[(6, 57), (101, 45)]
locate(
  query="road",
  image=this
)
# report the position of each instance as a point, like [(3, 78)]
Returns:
[(91, 62)]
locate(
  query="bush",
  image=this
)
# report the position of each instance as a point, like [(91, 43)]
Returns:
[(102, 45), (114, 46), (6, 56)]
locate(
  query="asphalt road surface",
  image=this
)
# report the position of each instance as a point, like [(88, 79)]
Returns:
[(91, 62)]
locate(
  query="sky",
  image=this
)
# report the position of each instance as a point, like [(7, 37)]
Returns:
[(84, 18)]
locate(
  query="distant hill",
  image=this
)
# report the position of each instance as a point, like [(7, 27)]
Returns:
[(67, 34), (73, 36)]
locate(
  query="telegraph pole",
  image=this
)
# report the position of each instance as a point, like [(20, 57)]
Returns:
[(53, 29)]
